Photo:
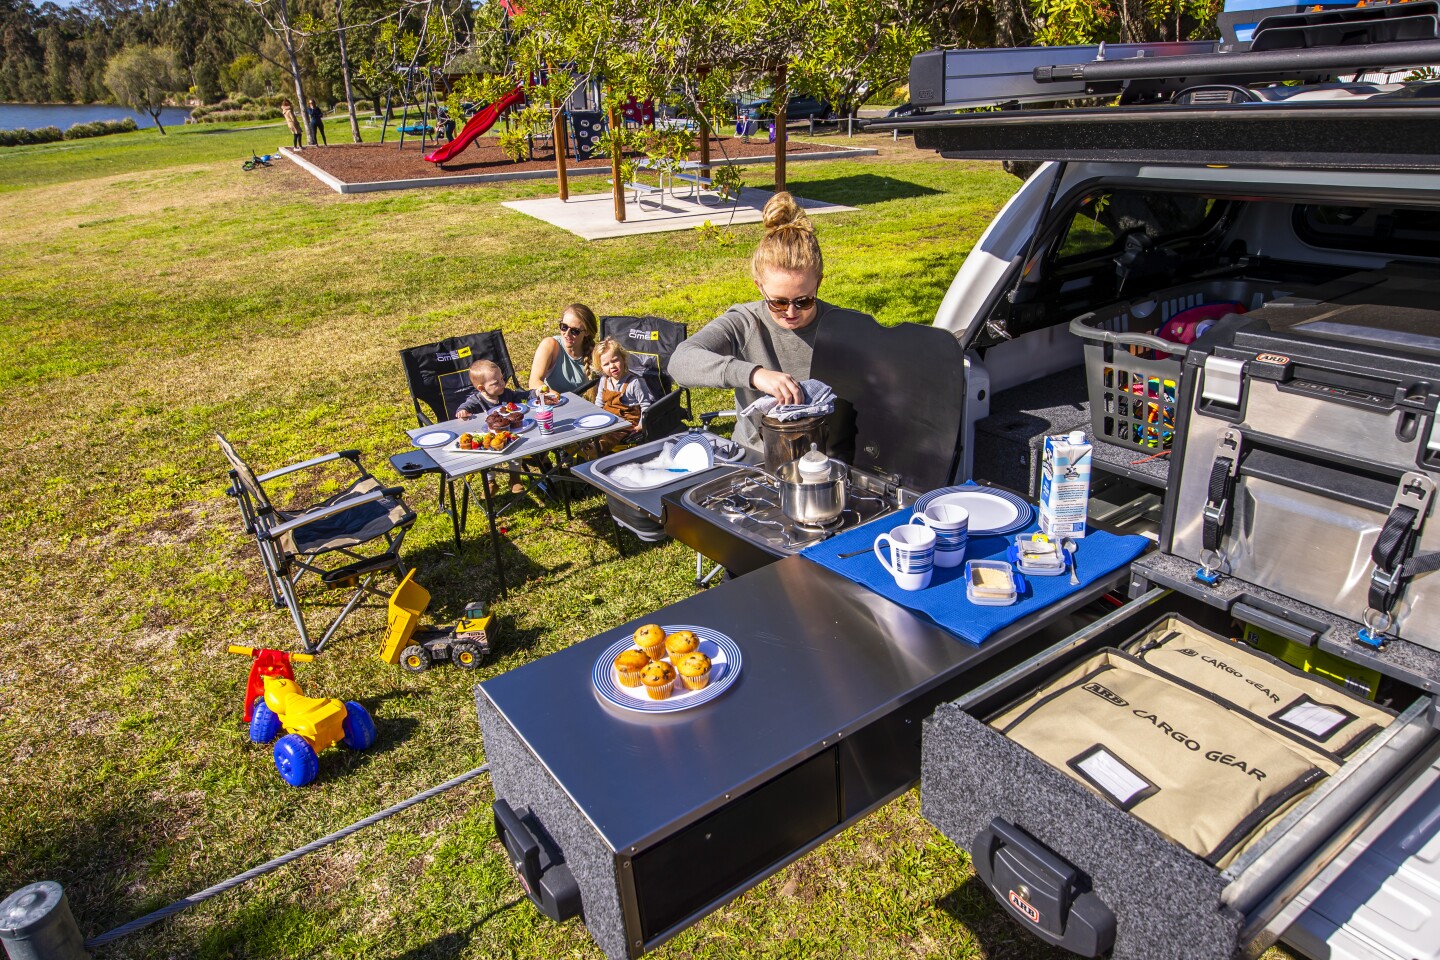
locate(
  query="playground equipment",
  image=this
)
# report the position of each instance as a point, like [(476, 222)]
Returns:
[(464, 643), (476, 126), (311, 724)]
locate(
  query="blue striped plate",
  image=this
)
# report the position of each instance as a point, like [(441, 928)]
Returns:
[(724, 670), (992, 512)]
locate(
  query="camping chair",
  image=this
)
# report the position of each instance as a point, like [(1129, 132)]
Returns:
[(292, 542), (651, 341), (438, 375)]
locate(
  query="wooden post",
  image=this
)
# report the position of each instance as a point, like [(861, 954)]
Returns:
[(619, 191), (560, 140), (704, 148), (782, 97)]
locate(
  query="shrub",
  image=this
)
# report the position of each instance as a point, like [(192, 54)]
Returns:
[(23, 137), (101, 128)]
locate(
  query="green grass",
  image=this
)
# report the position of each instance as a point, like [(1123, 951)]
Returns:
[(154, 294)]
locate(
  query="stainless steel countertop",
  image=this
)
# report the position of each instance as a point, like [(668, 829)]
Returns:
[(823, 657)]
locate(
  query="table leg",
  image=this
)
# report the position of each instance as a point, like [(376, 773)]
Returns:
[(453, 509), (494, 532)]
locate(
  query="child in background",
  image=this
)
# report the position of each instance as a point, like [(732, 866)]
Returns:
[(621, 392), (490, 390)]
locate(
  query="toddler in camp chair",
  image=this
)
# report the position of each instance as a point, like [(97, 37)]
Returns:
[(620, 391), (490, 390)]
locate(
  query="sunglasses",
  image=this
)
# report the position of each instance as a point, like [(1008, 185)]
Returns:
[(780, 305), (566, 329)]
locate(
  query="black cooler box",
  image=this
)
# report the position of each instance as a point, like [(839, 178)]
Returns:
[(1304, 469)]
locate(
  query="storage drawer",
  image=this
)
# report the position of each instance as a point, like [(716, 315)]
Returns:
[(1077, 870)]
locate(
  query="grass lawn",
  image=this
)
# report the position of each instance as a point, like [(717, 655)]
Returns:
[(152, 293)]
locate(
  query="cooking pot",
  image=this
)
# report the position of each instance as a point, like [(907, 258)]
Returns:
[(811, 488), (787, 440)]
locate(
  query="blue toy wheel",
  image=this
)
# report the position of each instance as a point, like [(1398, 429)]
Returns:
[(360, 731), (295, 760), (264, 724)]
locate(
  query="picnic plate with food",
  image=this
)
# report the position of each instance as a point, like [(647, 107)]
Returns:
[(496, 441), (550, 399), (665, 669)]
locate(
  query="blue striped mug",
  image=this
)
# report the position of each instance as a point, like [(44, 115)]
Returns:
[(912, 556), (952, 532)]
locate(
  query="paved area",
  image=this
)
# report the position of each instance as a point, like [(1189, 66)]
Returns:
[(592, 215)]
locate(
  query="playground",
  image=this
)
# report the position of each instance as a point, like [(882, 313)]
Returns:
[(372, 166)]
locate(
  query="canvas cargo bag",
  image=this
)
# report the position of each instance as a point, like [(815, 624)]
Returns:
[(1205, 774), (1318, 712)]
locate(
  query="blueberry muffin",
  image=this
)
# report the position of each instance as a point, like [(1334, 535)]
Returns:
[(628, 666), (659, 679), (651, 639)]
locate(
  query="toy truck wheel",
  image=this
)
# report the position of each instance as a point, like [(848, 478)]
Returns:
[(359, 728), (465, 654), (295, 760), (264, 724), (415, 658)]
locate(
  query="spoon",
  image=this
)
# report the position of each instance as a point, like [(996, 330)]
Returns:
[(1069, 546)]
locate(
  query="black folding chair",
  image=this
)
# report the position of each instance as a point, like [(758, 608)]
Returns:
[(651, 342), (438, 375), (295, 542)]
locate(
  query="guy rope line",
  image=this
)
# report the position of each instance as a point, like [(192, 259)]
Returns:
[(149, 919)]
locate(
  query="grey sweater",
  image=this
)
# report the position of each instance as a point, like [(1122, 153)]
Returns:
[(729, 349)]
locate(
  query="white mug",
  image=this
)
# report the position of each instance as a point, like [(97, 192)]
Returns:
[(912, 552), (952, 532)]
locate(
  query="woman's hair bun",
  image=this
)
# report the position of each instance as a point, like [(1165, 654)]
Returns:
[(781, 211)]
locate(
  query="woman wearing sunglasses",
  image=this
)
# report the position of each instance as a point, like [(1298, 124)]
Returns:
[(563, 361), (764, 347)]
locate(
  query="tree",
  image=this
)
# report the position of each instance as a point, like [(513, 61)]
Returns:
[(144, 77)]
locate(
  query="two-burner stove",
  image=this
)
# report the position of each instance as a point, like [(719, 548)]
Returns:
[(735, 519)]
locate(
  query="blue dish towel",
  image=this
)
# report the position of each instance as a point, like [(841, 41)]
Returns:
[(944, 601)]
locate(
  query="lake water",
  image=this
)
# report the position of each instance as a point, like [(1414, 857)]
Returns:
[(32, 116)]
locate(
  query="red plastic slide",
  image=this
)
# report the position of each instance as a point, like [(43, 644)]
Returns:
[(477, 125)]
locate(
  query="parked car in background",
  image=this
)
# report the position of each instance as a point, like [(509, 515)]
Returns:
[(798, 108)]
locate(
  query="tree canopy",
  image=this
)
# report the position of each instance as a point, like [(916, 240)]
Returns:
[(144, 77)]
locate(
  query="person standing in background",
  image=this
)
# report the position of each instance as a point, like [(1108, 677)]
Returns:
[(288, 112), (317, 120)]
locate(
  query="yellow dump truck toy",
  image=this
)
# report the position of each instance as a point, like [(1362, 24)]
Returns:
[(415, 648)]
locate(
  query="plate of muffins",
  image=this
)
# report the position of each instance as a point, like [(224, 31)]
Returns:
[(664, 669)]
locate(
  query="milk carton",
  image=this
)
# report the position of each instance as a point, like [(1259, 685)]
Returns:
[(1065, 486)]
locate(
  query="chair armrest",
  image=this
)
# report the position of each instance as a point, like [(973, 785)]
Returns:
[(320, 513), (352, 455)]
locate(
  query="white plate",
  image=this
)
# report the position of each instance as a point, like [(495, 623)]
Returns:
[(992, 512), (455, 447), (558, 403), (435, 438), (595, 421), (724, 670)]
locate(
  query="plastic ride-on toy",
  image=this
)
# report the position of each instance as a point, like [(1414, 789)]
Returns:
[(464, 643), (311, 724)]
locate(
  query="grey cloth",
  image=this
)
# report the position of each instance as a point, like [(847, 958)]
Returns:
[(634, 391), (819, 402), (744, 338)]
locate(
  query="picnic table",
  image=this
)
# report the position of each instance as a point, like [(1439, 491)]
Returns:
[(668, 172), (463, 464)]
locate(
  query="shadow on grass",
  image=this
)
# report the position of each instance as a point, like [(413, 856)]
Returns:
[(454, 943), (859, 189), (999, 937)]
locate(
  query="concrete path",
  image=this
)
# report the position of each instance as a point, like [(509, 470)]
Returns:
[(591, 216)]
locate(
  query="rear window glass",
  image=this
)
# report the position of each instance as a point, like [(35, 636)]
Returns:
[(1102, 220), (1404, 231)]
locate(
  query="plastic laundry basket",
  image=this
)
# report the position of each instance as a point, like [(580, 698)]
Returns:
[(1132, 375)]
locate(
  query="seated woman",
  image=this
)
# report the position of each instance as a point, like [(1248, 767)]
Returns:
[(764, 347), (563, 362)]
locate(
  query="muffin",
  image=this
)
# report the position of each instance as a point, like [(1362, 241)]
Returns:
[(651, 639), (628, 666), (659, 679), (515, 417), (694, 669), (496, 420), (681, 642)]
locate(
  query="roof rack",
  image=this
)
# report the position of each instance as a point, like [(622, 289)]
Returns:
[(1311, 47)]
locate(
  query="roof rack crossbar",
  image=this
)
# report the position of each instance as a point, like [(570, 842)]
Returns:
[(1258, 66)]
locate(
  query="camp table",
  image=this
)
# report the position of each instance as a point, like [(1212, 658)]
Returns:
[(460, 465)]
